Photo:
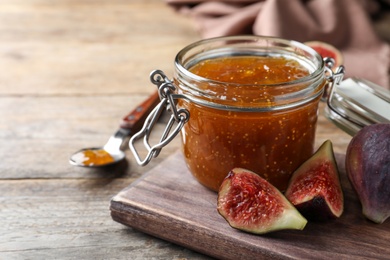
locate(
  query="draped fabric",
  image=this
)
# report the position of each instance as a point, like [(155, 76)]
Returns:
[(346, 24)]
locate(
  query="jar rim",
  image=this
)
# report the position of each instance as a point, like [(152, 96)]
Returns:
[(249, 38)]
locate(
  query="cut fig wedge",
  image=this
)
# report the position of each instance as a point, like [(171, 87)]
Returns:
[(250, 203), (315, 188)]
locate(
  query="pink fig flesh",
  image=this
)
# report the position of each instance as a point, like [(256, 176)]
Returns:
[(250, 203), (368, 169), (315, 188), (327, 50)]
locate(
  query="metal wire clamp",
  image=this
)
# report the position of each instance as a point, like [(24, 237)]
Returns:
[(168, 98)]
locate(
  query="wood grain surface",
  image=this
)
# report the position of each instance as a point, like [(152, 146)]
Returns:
[(70, 70), (168, 202)]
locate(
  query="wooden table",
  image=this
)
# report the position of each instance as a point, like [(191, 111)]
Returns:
[(69, 70)]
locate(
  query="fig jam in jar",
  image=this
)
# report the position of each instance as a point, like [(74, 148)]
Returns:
[(253, 103)]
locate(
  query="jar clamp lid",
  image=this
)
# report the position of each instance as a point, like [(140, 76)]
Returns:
[(355, 103)]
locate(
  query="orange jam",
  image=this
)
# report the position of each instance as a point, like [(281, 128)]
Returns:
[(92, 157), (271, 143)]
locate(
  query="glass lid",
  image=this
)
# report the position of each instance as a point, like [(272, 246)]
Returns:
[(355, 103)]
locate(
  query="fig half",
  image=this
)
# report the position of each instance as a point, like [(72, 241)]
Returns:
[(315, 188), (368, 169), (250, 203), (327, 50)]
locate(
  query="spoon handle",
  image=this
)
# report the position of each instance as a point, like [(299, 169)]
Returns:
[(135, 119)]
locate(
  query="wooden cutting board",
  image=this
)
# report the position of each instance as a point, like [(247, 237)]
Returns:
[(167, 202)]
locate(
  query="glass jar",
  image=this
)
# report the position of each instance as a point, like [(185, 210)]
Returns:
[(266, 126)]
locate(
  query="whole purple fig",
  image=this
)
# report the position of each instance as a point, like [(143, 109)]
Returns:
[(368, 169)]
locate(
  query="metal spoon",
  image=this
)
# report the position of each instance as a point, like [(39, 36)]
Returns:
[(111, 152)]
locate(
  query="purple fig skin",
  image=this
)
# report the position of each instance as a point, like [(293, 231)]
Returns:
[(316, 209), (368, 169)]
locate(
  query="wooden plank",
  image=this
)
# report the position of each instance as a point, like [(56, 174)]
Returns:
[(68, 219), (72, 47), (168, 203)]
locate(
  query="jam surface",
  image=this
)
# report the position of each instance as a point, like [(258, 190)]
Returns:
[(251, 70), (272, 144), (92, 157)]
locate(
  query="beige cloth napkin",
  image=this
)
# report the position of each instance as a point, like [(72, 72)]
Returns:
[(346, 24)]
